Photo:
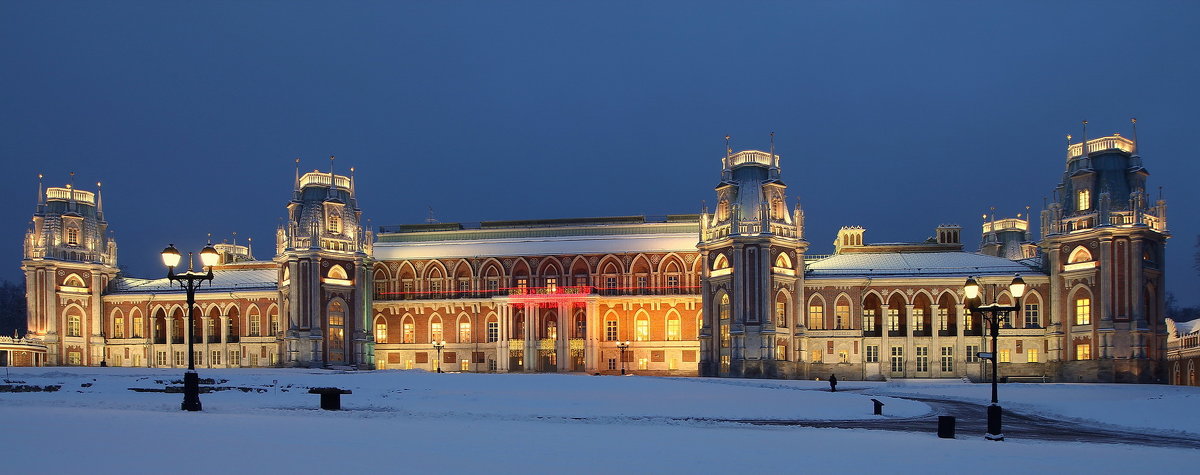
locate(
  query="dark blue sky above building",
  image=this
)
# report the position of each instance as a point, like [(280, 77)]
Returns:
[(893, 116)]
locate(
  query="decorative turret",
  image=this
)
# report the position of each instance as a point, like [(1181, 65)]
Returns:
[(69, 225)]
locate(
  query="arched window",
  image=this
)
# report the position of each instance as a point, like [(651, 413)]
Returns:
[(841, 314), (380, 329), (641, 328), (816, 314), (1083, 308), (74, 280), (673, 328), (1083, 200), (435, 330), (610, 326), (781, 310), (551, 331), (1079, 254), (234, 324), (135, 329), (781, 348), (722, 210), (723, 317), (335, 223), (335, 341), (464, 329), (580, 325), (783, 261), (255, 321), (721, 262), (273, 317), (493, 329), (338, 272), (118, 324), (409, 333)]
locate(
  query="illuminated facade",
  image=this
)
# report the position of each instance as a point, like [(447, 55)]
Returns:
[(732, 292)]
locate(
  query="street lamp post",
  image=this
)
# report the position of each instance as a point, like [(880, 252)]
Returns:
[(994, 313), (190, 281), (623, 345), (439, 345)]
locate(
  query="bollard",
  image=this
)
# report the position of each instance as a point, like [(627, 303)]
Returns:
[(946, 427), (878, 407)]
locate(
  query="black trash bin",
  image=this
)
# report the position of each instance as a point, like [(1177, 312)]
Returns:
[(946, 427)]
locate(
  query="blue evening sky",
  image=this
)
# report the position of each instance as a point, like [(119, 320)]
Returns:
[(895, 116)]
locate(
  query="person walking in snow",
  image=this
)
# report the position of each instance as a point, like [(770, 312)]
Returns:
[(833, 383)]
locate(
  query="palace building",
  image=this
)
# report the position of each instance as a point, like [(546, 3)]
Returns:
[(731, 293)]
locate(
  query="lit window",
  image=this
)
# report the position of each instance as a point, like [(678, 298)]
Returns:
[(643, 363), (552, 330), (522, 284), (408, 364), (610, 330), (725, 362), (1031, 355), (380, 331), (1083, 311), (642, 327), (74, 358), (410, 333), (816, 317), (464, 332), (464, 365), (335, 223), (136, 331), (1083, 351), (1005, 357), (73, 325), (868, 322), (918, 316), (673, 328), (841, 313), (1083, 200), (780, 313), (893, 316), (255, 322), (435, 331), (274, 319), (552, 284), (119, 327), (781, 352), (726, 337), (968, 323), (814, 356), (843, 356), (943, 319)]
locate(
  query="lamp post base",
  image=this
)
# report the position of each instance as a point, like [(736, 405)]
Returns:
[(993, 422), (191, 391)]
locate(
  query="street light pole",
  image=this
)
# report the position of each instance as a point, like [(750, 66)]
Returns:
[(439, 345), (623, 345), (190, 281), (993, 313)]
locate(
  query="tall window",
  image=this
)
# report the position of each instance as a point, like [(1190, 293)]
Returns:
[(816, 316), (872, 353), (1083, 351), (841, 313), (610, 282), (336, 342), (410, 332), (893, 316), (119, 327), (1031, 355), (672, 281), (723, 317), (552, 330), (1031, 316), (814, 356), (1005, 356), (464, 331), (435, 331), (780, 313), (335, 223), (922, 359), (210, 327), (73, 325), (918, 317), (897, 359), (968, 322), (493, 331), (274, 318), (610, 330), (642, 329), (255, 322), (380, 331), (1083, 200), (943, 315), (641, 282), (136, 331), (1083, 311), (868, 320), (552, 284), (522, 284), (947, 359), (673, 328)]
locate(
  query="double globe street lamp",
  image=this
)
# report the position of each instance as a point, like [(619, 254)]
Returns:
[(993, 313), (190, 281), (623, 345)]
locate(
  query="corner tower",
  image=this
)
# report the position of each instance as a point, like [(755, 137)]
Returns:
[(753, 249), (68, 261), (1103, 246), (323, 252)]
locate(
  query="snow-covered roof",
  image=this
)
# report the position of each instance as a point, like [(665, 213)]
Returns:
[(1183, 328), (224, 280), (932, 264)]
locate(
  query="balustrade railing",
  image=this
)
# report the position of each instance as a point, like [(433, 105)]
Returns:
[(1101, 144), (550, 292)]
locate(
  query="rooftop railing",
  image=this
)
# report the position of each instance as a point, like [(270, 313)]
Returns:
[(753, 157), (66, 194), (1115, 142), (324, 179)]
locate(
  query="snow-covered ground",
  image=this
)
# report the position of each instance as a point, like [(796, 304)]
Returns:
[(1151, 407), (410, 420)]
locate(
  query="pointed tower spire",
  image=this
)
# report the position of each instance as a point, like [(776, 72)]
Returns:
[(1068, 147), (1133, 120), (351, 181), (332, 182), (297, 184), (99, 201), (41, 192), (249, 247)]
